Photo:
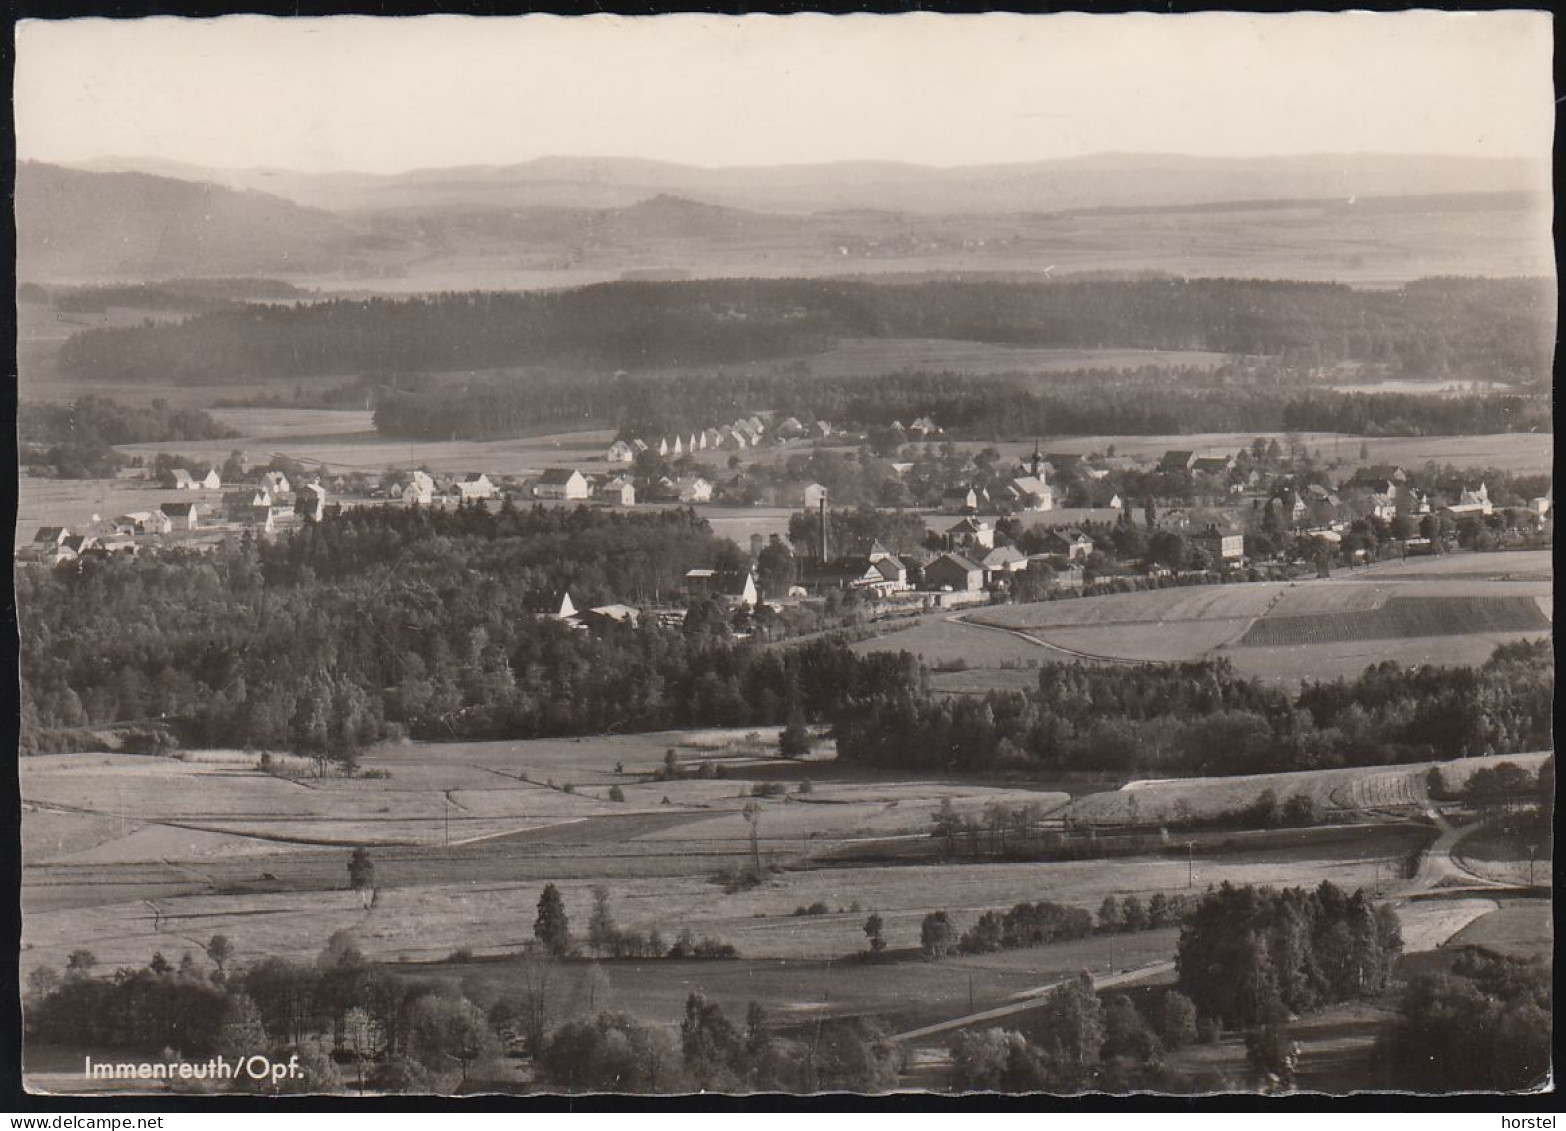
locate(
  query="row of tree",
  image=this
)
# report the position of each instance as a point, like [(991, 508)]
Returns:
[(1476, 327)]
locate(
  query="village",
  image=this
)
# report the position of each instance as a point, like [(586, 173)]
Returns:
[(899, 520)]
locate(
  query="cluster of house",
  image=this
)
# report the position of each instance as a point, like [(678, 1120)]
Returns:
[(424, 489), (271, 499), (567, 484), (1030, 493), (744, 433)]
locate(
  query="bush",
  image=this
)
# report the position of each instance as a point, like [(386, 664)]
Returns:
[(1208, 1030), (616, 793), (768, 789)]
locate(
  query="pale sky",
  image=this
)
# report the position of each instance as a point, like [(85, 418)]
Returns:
[(383, 95)]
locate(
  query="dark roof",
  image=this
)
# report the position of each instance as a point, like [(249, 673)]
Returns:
[(958, 560), (560, 475), (178, 509)]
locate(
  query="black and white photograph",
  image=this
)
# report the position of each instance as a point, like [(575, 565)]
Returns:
[(887, 555)]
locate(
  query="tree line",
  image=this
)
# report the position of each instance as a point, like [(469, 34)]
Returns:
[(1481, 327), (1205, 719), (75, 440)]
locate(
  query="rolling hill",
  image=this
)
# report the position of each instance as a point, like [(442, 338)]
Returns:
[(101, 227)]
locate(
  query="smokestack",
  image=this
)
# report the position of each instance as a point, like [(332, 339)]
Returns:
[(823, 527)]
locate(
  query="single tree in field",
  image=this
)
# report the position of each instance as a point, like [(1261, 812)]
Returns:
[(794, 739), (936, 935), (220, 948), (601, 930), (80, 962), (873, 926), (361, 874), (551, 928)]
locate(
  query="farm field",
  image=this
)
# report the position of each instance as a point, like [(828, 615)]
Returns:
[(371, 452), (865, 357), (129, 854), (1284, 631), (1521, 928), (904, 990), (1521, 453), (1350, 788)]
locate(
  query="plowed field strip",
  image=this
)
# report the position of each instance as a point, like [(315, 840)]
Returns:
[(1402, 617)]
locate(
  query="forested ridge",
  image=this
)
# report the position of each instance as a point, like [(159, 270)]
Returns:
[(1473, 327), (1147, 401), (386, 621)]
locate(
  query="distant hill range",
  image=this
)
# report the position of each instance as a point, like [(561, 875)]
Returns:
[(1109, 179), (564, 221)]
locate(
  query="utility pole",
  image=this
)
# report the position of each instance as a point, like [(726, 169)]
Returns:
[(970, 991), (1532, 848), (1190, 866)]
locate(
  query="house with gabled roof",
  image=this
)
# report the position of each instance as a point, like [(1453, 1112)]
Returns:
[(182, 516), (312, 501), (475, 485), (1213, 463), (1224, 544), (179, 479), (620, 452), (1177, 459), (883, 576), (277, 483), (969, 534), (618, 491), (960, 500), (1003, 559), (561, 483), (693, 489), (143, 522), (1068, 543), (955, 572), (418, 488), (1030, 493), (815, 495)]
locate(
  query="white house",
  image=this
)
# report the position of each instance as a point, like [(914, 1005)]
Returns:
[(815, 494), (619, 492), (475, 485), (693, 489), (561, 483), (277, 483), (620, 452)]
